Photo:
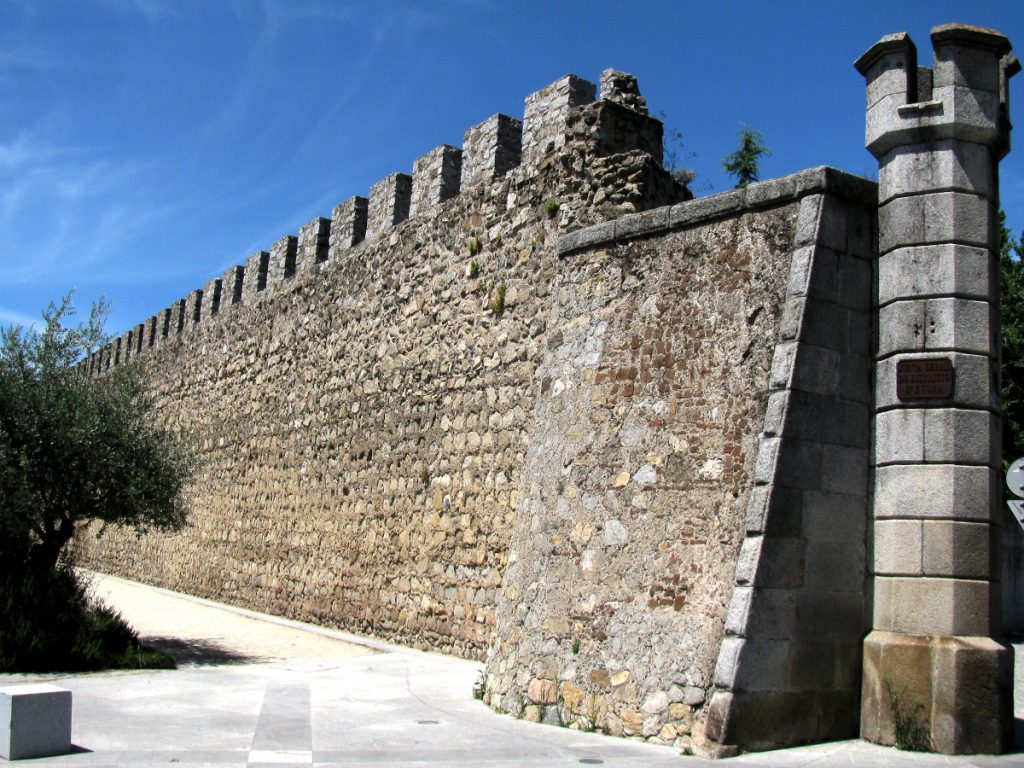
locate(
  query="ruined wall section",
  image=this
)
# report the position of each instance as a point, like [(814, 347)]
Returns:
[(362, 392), (645, 469)]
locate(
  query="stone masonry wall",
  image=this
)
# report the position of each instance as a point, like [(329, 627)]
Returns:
[(685, 343), (362, 409), (533, 402), (624, 550)]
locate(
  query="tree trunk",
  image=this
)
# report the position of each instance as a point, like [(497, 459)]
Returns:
[(44, 554)]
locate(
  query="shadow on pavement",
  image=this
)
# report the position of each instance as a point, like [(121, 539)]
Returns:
[(198, 651)]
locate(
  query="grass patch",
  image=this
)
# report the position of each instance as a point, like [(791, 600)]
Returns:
[(911, 722), (50, 624)]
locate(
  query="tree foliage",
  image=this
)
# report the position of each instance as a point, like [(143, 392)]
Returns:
[(744, 162), (1011, 311), (74, 449)]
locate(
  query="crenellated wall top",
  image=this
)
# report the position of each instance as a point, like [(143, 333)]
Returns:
[(490, 151)]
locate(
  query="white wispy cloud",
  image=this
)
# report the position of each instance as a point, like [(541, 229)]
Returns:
[(279, 13), (23, 59), (72, 212), (63, 208), (263, 22), (9, 317)]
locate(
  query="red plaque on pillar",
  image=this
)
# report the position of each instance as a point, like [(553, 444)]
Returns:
[(924, 378)]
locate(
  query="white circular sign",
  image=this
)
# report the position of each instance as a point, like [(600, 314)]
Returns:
[(1015, 477)]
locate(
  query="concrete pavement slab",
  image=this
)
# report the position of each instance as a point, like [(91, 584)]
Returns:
[(277, 693)]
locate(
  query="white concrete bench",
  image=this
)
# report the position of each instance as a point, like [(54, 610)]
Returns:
[(35, 721)]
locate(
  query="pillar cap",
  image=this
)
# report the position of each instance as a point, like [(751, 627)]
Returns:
[(896, 43), (964, 96), (972, 37)]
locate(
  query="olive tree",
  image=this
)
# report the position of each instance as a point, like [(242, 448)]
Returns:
[(75, 448)]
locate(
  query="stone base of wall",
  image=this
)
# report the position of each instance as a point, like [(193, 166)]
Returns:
[(943, 693)]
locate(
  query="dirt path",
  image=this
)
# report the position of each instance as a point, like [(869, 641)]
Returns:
[(194, 632)]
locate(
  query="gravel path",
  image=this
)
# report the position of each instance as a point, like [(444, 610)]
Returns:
[(197, 631)]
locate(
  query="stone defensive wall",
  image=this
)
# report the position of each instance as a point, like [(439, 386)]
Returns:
[(362, 393), (642, 453)]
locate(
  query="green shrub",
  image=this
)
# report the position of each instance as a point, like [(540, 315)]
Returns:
[(551, 206), (50, 624)]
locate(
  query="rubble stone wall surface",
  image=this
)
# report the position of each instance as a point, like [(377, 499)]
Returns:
[(653, 388)]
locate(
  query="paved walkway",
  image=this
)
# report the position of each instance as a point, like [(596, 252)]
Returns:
[(253, 690)]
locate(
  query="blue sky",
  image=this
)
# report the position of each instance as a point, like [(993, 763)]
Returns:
[(147, 145)]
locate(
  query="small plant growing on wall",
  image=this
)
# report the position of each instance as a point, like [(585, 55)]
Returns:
[(911, 725), (474, 269), (474, 246), (593, 716), (498, 299), (551, 206)]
